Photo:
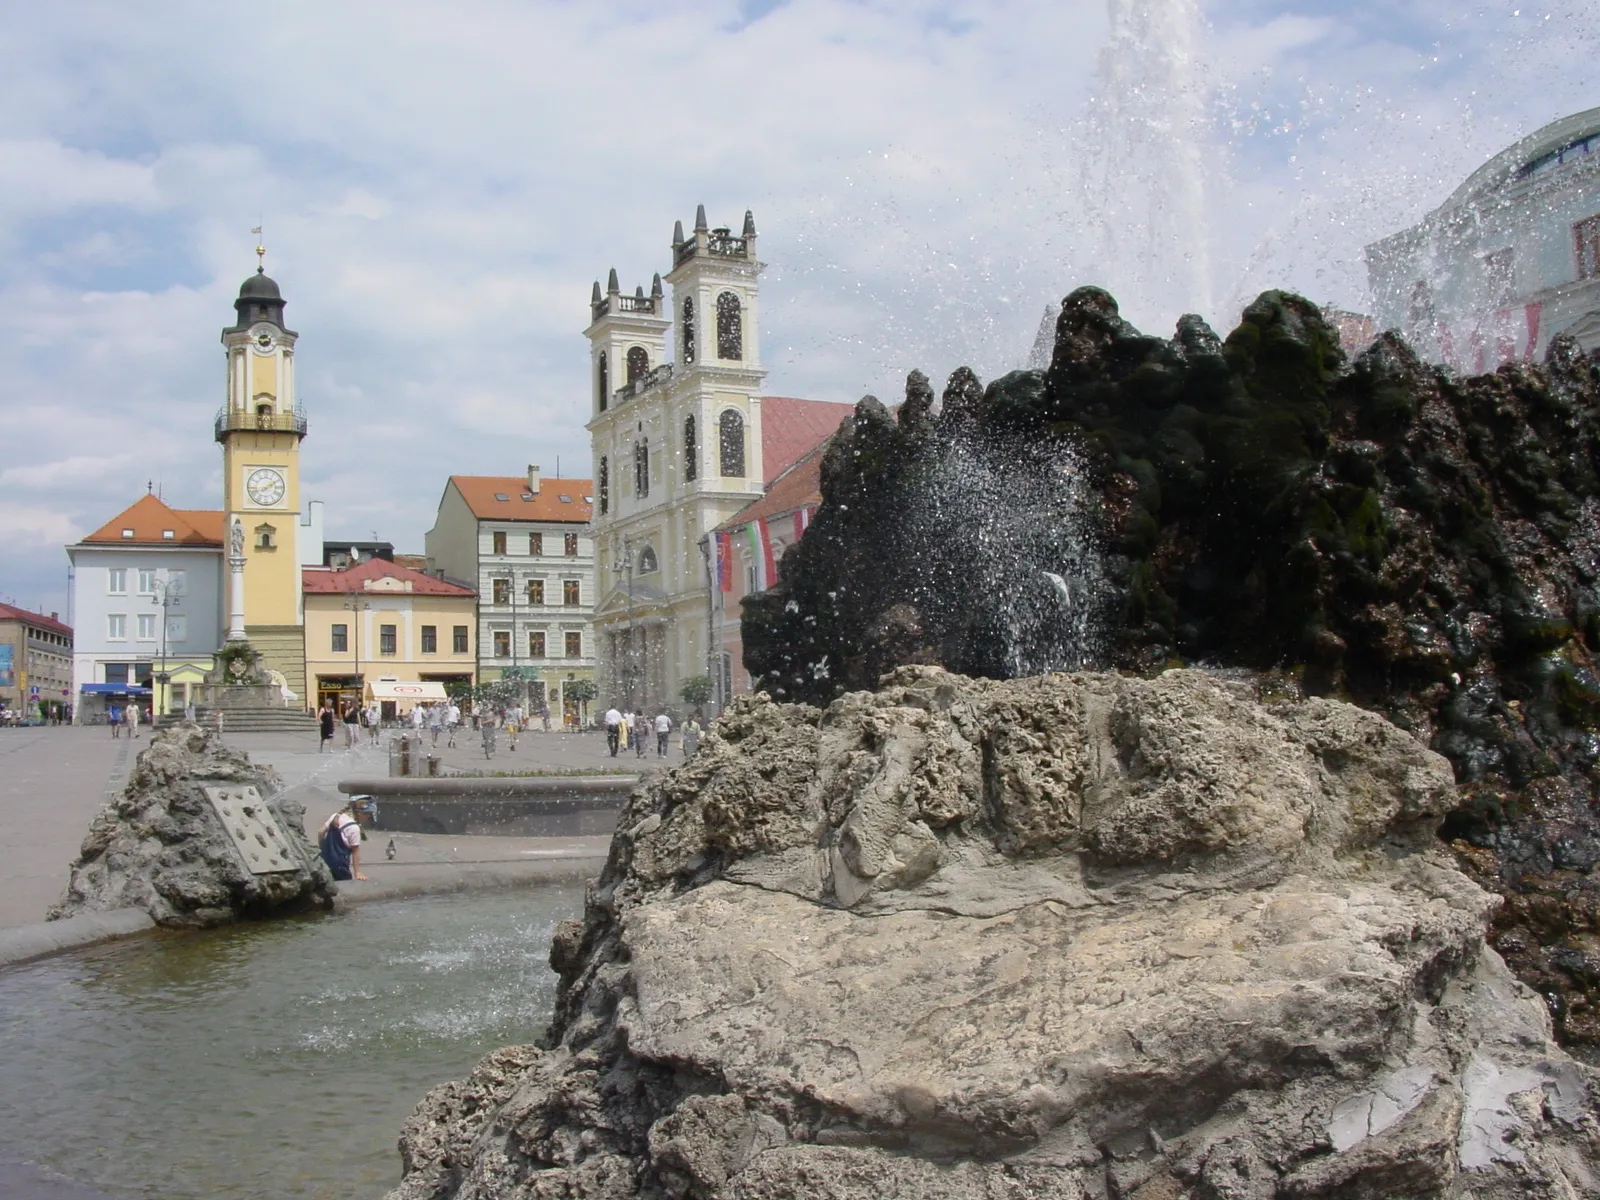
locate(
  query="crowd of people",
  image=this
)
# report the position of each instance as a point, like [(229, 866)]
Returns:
[(639, 731)]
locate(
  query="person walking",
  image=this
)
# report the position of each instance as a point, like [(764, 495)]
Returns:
[(435, 721), (326, 722), (352, 724), (639, 726), (613, 723), (452, 721), (374, 722), (114, 719), (486, 729), (130, 717), (663, 732), (513, 724), (691, 735)]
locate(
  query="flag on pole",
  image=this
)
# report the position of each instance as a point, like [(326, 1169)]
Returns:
[(802, 521), (761, 553), (723, 543)]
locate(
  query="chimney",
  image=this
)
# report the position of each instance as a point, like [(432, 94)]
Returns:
[(55, 616), (533, 478)]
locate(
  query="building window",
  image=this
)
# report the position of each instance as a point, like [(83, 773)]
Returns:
[(266, 537), (574, 644), (117, 581), (147, 581), (341, 640), (730, 327), (178, 581), (430, 639), (691, 450), (605, 486), (638, 363), (536, 544), (177, 628), (602, 381), (535, 591), (536, 644), (117, 627), (647, 560), (387, 642), (688, 329), (116, 672), (147, 627), (502, 591), (571, 545), (641, 468), (569, 592), (502, 643), (498, 541), (460, 639), (730, 441), (1586, 237)]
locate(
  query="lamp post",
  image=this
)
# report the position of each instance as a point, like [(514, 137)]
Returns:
[(167, 597), (357, 606)]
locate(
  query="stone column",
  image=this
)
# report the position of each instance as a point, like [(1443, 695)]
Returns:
[(236, 582)]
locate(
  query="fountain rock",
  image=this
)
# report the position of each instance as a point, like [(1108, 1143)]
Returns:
[(165, 846), (1386, 531), (1066, 936)]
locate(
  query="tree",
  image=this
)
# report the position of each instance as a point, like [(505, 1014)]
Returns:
[(583, 691), (696, 691)]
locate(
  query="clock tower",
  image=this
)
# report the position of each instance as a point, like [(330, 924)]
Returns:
[(260, 428)]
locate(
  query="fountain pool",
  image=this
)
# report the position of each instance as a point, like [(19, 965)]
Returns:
[(276, 1059)]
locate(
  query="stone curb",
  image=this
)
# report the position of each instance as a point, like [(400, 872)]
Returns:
[(474, 785), (22, 943)]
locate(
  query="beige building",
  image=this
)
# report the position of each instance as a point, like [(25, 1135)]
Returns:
[(35, 663), (378, 623), (679, 448), (524, 542)]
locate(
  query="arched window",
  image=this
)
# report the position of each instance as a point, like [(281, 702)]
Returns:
[(691, 450), (641, 468), (602, 380), (647, 560), (638, 363), (730, 327), (605, 485), (688, 329), (730, 441)]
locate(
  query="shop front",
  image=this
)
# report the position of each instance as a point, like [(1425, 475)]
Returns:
[(396, 699)]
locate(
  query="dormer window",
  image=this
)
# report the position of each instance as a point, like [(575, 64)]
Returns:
[(128, 533), (168, 535)]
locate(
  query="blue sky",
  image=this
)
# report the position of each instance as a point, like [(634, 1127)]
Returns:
[(440, 186)]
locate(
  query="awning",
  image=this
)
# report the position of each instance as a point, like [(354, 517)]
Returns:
[(113, 689), (388, 689)]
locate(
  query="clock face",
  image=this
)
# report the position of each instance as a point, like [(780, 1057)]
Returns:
[(265, 487), (262, 343)]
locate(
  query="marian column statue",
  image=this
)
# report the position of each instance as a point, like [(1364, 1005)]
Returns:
[(236, 581)]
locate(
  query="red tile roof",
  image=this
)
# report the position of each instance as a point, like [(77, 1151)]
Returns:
[(790, 427), (327, 581), (482, 494), (798, 487), (149, 518), (10, 612)]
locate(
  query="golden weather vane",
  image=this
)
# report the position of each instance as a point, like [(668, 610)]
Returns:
[(261, 252)]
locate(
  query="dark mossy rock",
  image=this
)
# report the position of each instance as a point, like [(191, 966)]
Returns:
[(1382, 530)]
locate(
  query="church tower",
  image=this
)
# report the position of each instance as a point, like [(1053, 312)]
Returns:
[(260, 428), (677, 451)]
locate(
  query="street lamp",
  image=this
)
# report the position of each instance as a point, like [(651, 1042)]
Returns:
[(357, 606), (167, 597)]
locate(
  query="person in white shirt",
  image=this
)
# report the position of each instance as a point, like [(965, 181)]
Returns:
[(663, 731), (613, 724), (452, 718)]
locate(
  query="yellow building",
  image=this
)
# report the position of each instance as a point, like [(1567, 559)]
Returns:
[(260, 429), (380, 621)]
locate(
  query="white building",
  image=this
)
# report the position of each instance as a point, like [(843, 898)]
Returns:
[(679, 447), (120, 573), (1511, 259), (524, 544)]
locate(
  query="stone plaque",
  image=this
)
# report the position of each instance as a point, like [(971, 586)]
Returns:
[(254, 829)]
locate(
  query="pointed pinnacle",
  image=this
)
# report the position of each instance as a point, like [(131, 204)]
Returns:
[(611, 283), (655, 285), (749, 223), (594, 296), (677, 233), (700, 225)]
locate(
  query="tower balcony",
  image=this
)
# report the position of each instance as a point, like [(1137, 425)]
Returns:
[(649, 306), (240, 420), (715, 243)]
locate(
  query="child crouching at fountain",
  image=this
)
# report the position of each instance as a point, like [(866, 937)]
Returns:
[(340, 839)]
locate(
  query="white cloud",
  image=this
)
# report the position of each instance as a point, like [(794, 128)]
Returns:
[(440, 186)]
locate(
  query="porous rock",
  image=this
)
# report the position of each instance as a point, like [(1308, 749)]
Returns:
[(160, 845), (1074, 936)]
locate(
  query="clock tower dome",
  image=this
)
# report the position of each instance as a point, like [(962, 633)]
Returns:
[(259, 429)]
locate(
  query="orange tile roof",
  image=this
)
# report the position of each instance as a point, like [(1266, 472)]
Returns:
[(482, 494), (10, 612), (798, 487), (327, 581), (790, 427), (149, 518)]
